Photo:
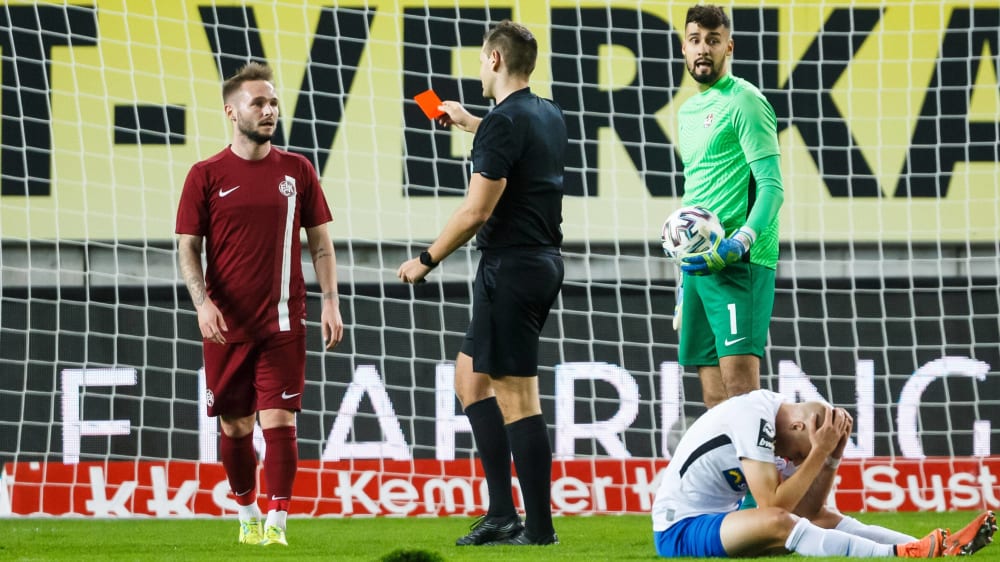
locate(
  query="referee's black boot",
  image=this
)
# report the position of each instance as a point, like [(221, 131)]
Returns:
[(490, 529), (522, 539)]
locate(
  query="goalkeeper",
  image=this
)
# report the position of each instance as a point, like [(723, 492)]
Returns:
[(729, 146)]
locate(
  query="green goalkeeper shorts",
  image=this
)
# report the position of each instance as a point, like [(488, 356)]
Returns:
[(726, 313)]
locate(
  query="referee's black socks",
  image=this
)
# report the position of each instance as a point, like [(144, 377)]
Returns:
[(529, 441), (494, 452)]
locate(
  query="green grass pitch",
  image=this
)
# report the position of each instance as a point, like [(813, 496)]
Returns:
[(363, 539)]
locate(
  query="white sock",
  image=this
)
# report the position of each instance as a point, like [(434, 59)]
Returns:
[(878, 534), (249, 512), (276, 519), (809, 540)]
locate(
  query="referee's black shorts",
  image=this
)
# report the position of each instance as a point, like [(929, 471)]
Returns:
[(512, 294)]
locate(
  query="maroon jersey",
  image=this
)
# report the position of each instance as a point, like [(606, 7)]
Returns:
[(250, 213)]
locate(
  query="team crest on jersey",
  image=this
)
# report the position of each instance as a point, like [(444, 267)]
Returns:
[(287, 187), (209, 397), (709, 119), (765, 437), (734, 477)]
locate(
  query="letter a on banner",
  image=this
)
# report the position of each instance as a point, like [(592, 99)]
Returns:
[(393, 445)]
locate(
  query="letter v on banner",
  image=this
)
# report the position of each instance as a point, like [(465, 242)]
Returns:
[(341, 37)]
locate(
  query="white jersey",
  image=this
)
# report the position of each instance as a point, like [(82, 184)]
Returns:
[(705, 474)]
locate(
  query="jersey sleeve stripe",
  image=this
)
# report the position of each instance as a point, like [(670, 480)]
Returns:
[(706, 447)]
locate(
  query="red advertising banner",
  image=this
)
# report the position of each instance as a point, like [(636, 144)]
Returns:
[(431, 487)]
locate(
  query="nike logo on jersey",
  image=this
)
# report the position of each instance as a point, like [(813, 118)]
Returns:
[(224, 192), (286, 396), (730, 342)]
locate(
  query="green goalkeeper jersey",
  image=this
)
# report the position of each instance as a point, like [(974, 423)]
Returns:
[(722, 130)]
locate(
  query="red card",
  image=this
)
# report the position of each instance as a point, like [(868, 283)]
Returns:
[(429, 102)]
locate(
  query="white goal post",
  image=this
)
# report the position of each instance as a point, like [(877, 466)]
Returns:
[(888, 300)]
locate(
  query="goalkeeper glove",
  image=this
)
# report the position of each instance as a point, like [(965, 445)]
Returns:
[(723, 251)]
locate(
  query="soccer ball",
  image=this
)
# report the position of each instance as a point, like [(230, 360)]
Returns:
[(687, 231)]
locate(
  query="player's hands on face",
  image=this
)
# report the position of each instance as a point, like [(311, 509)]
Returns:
[(412, 271), (838, 451), (827, 430), (455, 114), (722, 252), (211, 322)]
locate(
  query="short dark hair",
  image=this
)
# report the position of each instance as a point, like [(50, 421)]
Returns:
[(708, 16), (517, 46), (251, 71)]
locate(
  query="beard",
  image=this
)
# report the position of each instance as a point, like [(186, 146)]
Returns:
[(710, 77), (251, 133)]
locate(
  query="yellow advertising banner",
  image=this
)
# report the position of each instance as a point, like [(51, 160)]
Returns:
[(889, 111)]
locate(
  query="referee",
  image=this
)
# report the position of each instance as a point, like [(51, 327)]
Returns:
[(514, 208)]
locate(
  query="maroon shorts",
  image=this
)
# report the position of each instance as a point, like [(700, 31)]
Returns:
[(245, 377)]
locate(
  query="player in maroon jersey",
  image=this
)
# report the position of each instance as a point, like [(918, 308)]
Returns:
[(247, 204)]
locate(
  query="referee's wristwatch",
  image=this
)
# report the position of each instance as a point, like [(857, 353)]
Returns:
[(426, 259)]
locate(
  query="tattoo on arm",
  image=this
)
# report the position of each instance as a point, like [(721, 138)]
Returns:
[(194, 277), (321, 248), (196, 286)]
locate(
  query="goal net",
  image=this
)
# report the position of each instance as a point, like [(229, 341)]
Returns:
[(887, 290)]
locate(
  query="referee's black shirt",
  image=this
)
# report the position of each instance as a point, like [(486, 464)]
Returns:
[(523, 139)]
